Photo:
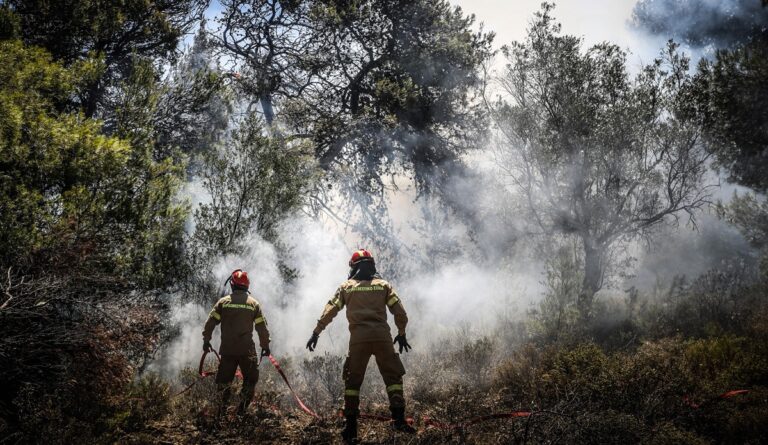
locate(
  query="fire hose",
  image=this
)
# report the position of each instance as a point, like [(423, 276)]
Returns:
[(295, 396), (427, 421), (201, 373)]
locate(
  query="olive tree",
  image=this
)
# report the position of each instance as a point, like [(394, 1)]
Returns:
[(594, 152)]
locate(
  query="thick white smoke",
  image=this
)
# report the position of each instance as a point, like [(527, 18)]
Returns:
[(473, 273), (465, 290)]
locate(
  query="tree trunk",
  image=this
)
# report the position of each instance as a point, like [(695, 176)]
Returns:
[(593, 276), (92, 99), (265, 100)]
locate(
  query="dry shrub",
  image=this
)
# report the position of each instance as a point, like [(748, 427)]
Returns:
[(70, 348), (474, 359), (323, 375), (641, 396)]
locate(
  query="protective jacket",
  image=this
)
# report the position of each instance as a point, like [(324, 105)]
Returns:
[(367, 302), (239, 314)]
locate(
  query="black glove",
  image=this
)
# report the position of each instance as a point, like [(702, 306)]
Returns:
[(312, 343), (265, 352), (207, 346), (402, 343)]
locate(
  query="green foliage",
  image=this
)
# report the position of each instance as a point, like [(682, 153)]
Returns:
[(54, 191), (10, 26), (732, 102), (381, 88), (254, 182), (89, 232), (687, 346), (71, 194), (92, 234), (401, 96), (750, 214), (74, 30), (148, 399), (718, 302), (701, 23), (557, 316), (194, 105), (631, 395)]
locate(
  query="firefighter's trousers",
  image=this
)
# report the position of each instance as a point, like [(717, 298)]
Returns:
[(390, 367), (249, 367)]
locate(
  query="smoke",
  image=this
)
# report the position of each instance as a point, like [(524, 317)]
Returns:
[(691, 252), (445, 277), (469, 269), (701, 23), (451, 276), (462, 261)]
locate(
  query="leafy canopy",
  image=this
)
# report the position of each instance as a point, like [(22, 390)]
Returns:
[(73, 197)]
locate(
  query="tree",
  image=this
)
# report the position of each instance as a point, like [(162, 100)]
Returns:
[(722, 23), (398, 88), (382, 88), (368, 82), (397, 99), (10, 26), (557, 316), (71, 195), (274, 45), (255, 182), (750, 215), (594, 154), (731, 95), (116, 32), (90, 236), (194, 104), (732, 103)]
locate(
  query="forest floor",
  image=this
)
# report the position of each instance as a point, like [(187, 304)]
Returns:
[(663, 392), (267, 426)]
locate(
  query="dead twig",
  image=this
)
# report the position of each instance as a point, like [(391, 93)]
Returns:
[(10, 286)]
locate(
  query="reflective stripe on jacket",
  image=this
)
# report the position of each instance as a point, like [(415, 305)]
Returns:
[(239, 314), (367, 303)]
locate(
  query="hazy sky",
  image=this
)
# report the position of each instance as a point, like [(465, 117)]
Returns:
[(594, 20)]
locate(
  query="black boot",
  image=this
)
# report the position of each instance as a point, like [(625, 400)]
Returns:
[(398, 416), (246, 396), (349, 434), (242, 407), (223, 403)]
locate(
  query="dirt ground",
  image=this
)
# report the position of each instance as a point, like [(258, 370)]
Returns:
[(275, 428)]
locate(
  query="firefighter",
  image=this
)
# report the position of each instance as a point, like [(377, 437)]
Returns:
[(367, 297), (239, 314)]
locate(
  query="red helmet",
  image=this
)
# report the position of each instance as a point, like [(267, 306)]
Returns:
[(239, 278), (360, 255)]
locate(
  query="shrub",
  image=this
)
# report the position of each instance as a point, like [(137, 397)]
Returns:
[(642, 396)]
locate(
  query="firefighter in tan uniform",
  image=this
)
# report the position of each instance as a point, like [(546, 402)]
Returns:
[(367, 298), (239, 314)]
